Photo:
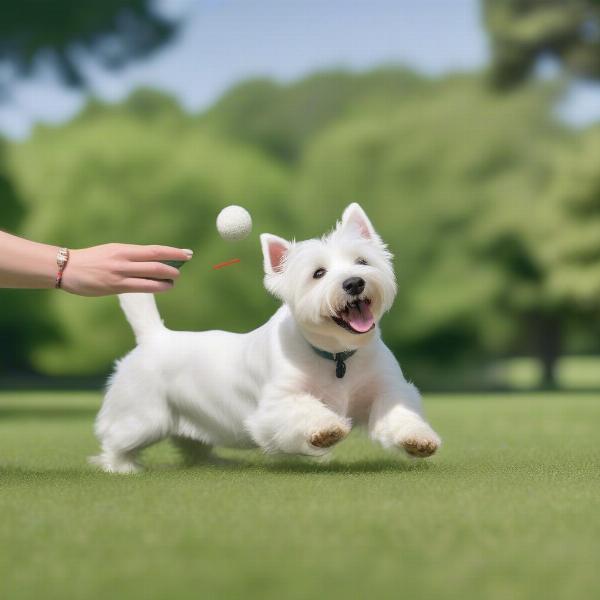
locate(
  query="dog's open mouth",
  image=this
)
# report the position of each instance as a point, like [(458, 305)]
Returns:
[(356, 316)]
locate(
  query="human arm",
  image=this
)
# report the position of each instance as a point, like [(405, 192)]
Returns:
[(96, 271)]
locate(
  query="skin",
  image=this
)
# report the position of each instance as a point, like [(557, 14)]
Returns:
[(96, 271)]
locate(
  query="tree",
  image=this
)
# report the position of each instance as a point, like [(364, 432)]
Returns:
[(281, 119), (571, 241), (464, 185), (113, 31), (32, 33), (568, 243), (118, 173), (451, 178), (23, 318), (523, 31)]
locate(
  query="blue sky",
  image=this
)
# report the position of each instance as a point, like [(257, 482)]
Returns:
[(224, 41)]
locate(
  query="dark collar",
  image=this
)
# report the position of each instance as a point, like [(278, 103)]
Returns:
[(339, 358)]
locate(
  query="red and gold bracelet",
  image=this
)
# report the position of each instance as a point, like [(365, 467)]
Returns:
[(62, 258)]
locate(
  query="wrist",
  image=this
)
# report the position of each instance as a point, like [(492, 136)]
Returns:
[(26, 264), (62, 260), (43, 266)]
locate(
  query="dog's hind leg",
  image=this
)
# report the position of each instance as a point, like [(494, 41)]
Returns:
[(116, 461), (132, 418), (123, 438)]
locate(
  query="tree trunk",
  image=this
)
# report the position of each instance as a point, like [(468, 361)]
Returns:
[(549, 340)]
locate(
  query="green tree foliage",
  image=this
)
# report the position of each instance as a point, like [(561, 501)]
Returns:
[(146, 176), (33, 32), (280, 119), (113, 31), (571, 240), (569, 249), (487, 203), (522, 31), (23, 315), (451, 177), (11, 206)]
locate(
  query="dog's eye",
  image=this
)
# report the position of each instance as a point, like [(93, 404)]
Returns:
[(319, 273), (361, 261)]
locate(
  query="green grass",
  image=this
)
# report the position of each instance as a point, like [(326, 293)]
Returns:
[(509, 509)]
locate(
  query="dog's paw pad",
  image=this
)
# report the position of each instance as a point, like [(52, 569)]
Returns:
[(326, 438), (420, 447)]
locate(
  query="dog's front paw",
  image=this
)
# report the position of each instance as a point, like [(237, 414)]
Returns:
[(325, 438), (420, 447), (417, 439)]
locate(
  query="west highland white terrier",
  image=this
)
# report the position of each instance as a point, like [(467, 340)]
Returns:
[(296, 385)]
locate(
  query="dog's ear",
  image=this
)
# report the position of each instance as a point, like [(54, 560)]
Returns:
[(354, 216), (275, 251)]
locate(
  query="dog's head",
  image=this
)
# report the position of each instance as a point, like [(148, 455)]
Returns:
[(339, 285)]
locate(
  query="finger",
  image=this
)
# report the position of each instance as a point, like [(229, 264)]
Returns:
[(153, 253), (149, 270), (150, 286)]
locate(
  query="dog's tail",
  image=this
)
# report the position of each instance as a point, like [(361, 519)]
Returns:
[(142, 313)]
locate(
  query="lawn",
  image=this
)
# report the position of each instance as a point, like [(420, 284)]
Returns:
[(509, 509)]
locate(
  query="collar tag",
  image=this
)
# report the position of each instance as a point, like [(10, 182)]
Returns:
[(340, 359), (340, 368)]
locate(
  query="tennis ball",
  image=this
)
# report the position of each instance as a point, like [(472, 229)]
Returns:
[(234, 223)]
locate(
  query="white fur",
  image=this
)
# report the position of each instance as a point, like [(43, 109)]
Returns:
[(268, 388)]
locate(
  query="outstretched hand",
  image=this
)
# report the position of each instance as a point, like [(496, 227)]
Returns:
[(119, 268)]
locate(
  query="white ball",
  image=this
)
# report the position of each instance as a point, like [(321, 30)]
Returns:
[(234, 223)]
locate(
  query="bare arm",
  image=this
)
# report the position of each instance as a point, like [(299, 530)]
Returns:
[(96, 271)]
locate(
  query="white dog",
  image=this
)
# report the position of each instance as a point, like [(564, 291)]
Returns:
[(294, 385)]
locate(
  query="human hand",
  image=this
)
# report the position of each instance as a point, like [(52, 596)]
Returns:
[(120, 268)]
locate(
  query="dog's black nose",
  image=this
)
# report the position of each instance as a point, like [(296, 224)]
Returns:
[(354, 285)]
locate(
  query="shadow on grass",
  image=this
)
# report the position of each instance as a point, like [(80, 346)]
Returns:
[(152, 470), (336, 467), (302, 465)]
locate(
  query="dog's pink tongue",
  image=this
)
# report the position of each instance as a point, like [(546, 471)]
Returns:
[(360, 318)]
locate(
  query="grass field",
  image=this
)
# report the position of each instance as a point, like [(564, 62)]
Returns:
[(509, 509)]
